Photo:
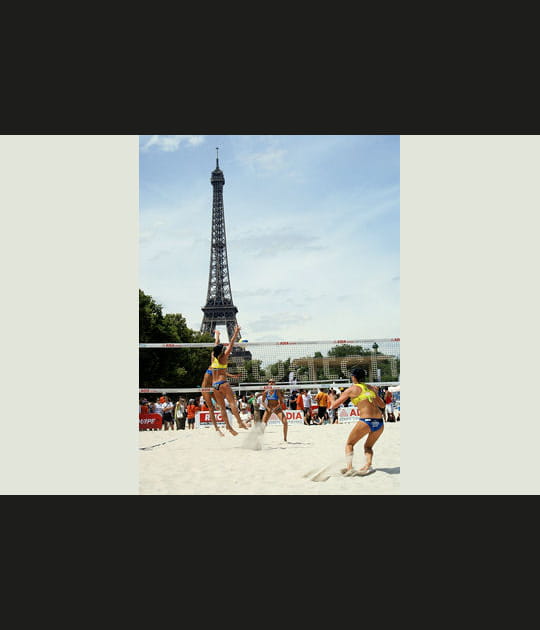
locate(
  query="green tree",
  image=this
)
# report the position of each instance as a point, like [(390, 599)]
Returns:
[(386, 370), (169, 367), (346, 350)]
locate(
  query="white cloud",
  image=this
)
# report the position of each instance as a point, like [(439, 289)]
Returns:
[(263, 291), (270, 242), (171, 143), (278, 321), (269, 160)]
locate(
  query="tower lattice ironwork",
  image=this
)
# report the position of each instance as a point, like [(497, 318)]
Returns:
[(219, 309)]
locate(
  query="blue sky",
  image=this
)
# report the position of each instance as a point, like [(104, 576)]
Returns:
[(312, 226)]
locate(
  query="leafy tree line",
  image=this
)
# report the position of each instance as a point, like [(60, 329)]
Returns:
[(169, 367)]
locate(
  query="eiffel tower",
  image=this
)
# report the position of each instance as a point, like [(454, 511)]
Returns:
[(219, 307)]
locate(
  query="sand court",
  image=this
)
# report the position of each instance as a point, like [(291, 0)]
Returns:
[(200, 462)]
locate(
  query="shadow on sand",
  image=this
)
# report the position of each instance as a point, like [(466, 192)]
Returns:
[(391, 471)]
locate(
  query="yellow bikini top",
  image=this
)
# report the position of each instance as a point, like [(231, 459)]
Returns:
[(217, 365), (366, 394)]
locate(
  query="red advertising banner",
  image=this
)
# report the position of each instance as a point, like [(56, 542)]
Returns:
[(204, 418), (150, 421)]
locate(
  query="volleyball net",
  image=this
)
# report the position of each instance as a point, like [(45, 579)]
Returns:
[(293, 364)]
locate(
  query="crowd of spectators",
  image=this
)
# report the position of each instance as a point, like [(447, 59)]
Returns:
[(314, 406)]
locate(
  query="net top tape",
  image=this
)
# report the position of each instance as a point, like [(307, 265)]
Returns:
[(261, 387), (266, 343)]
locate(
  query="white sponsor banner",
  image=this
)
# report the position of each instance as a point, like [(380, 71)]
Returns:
[(347, 414), (202, 418), (293, 417)]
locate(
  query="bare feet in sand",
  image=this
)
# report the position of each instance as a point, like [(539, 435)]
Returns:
[(361, 472)]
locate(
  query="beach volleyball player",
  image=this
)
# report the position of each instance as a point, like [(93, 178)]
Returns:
[(207, 391), (272, 400), (370, 419), (220, 384)]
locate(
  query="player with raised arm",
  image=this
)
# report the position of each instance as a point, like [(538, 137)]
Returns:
[(221, 386), (207, 393)]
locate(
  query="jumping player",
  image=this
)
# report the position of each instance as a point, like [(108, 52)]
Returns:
[(207, 391), (220, 384), (370, 420)]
